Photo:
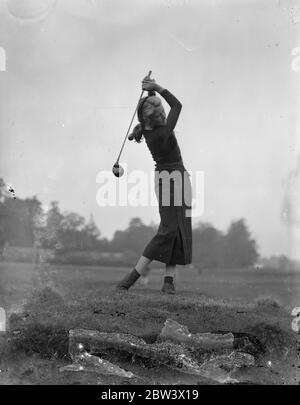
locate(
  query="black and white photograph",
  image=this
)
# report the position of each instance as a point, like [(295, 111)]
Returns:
[(149, 195)]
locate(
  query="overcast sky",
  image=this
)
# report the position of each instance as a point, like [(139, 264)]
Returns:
[(72, 81)]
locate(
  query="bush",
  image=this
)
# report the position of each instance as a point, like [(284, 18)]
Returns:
[(267, 303)]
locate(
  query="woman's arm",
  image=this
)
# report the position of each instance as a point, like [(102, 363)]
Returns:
[(150, 84), (175, 105)]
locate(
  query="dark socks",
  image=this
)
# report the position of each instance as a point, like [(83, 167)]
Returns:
[(128, 280), (168, 286)]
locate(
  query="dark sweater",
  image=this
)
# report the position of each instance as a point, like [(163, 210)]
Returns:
[(161, 140)]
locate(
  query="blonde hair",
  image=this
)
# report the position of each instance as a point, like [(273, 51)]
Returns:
[(152, 106), (148, 107)]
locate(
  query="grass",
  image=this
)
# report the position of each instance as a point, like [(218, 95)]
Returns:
[(18, 281), (85, 298), (46, 319)]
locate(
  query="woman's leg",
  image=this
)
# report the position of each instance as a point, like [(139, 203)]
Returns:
[(140, 269), (170, 270), (142, 265), (143, 269), (168, 286)]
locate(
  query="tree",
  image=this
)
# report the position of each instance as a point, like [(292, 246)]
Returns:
[(134, 238), (69, 231), (17, 218), (206, 245), (239, 249), (76, 234), (135, 223), (91, 234)]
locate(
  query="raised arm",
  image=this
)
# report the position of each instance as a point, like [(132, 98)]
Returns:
[(175, 105), (149, 85)]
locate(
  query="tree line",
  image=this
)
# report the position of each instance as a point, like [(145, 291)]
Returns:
[(24, 223)]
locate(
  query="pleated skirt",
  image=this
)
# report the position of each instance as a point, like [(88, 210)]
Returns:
[(172, 243)]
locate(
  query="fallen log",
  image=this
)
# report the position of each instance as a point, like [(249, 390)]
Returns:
[(96, 342), (169, 354), (165, 353), (175, 332)]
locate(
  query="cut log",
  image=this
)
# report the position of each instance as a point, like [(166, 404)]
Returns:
[(96, 342), (172, 355), (175, 332), (165, 353)]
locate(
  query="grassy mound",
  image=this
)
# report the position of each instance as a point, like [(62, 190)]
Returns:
[(43, 325)]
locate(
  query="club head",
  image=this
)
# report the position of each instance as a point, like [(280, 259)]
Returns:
[(117, 170)]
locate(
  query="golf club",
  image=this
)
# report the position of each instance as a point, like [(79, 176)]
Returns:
[(117, 169)]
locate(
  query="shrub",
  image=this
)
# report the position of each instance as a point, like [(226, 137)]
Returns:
[(267, 303)]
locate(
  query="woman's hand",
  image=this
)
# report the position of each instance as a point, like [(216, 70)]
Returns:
[(149, 84)]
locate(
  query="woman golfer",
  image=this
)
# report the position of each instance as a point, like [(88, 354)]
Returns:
[(172, 243)]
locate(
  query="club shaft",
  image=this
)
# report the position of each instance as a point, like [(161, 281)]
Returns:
[(149, 74)]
